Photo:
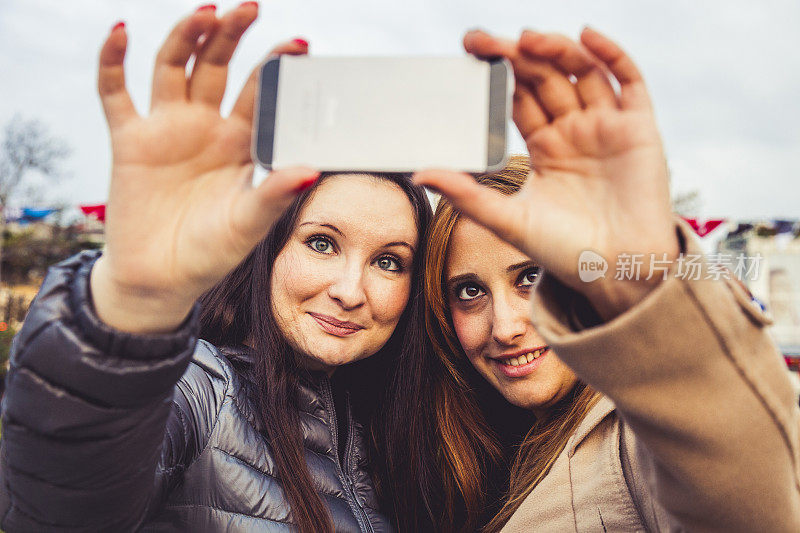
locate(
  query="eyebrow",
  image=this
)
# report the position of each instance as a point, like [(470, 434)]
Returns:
[(329, 226), (461, 277), (472, 277), (519, 266), (337, 230), (400, 243)]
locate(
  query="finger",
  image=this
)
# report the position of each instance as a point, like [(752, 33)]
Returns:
[(116, 100), (554, 91), (245, 103), (488, 207), (633, 92), (169, 75), (592, 84), (484, 45), (527, 112), (210, 72), (258, 208)]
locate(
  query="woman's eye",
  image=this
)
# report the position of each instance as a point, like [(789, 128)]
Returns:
[(389, 263), (318, 244), (530, 277), (469, 292)]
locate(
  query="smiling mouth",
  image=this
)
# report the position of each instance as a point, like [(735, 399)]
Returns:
[(334, 326), (524, 358), (520, 364)]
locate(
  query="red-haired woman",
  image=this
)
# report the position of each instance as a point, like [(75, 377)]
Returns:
[(627, 403)]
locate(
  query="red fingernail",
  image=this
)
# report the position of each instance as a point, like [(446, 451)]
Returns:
[(207, 7), (118, 25), (306, 184), (255, 4), (301, 42)]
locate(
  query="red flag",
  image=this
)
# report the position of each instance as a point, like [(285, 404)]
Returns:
[(704, 228), (98, 211)]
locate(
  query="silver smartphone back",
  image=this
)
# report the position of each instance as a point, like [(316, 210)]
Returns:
[(383, 114)]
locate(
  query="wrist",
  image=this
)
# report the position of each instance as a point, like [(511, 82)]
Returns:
[(615, 298), (612, 296), (135, 309)]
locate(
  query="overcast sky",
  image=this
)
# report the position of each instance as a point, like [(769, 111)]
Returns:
[(724, 75)]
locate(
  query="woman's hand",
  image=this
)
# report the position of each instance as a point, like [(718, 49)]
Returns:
[(599, 179), (181, 209)]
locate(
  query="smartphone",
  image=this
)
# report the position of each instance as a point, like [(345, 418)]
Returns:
[(383, 114)]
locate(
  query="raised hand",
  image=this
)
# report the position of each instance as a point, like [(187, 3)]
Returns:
[(181, 209), (599, 179)]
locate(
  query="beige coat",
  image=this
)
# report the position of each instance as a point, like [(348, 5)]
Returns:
[(702, 434)]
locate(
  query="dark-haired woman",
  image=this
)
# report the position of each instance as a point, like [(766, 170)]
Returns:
[(117, 418), (694, 425)]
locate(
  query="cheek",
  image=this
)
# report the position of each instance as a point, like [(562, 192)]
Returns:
[(293, 279), (389, 298), (566, 376), (473, 331)]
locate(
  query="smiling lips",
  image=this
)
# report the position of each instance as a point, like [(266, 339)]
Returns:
[(521, 363), (334, 326)]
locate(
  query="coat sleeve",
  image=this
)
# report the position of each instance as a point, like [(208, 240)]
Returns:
[(93, 425), (695, 376)]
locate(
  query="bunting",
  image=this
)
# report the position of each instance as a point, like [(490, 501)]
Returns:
[(33, 214), (703, 228), (98, 211), (784, 226)]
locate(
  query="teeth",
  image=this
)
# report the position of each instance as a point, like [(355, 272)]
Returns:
[(524, 359)]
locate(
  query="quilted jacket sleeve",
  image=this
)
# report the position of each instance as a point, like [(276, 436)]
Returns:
[(92, 421)]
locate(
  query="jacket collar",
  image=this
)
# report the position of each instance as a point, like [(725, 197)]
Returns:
[(311, 385), (602, 408)]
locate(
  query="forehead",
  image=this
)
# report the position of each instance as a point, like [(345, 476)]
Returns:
[(363, 205), (475, 249)]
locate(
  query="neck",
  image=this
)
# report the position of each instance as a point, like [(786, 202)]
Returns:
[(313, 365)]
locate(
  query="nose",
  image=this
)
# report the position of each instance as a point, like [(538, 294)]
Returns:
[(348, 287), (509, 321)]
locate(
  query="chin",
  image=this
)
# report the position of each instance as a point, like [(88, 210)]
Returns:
[(333, 356), (525, 396), (522, 402)]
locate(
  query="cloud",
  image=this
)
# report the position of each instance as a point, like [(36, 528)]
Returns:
[(723, 75)]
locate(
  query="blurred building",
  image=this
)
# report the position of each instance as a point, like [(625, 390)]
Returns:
[(775, 246)]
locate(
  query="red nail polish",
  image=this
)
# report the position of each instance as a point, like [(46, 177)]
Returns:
[(207, 7), (301, 42), (248, 4), (118, 25), (306, 184)]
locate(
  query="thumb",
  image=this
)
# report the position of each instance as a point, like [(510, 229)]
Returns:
[(258, 208), (490, 208)]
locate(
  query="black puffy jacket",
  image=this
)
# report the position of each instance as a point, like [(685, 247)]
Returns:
[(108, 431)]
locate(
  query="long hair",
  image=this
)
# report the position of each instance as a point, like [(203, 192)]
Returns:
[(239, 309), (454, 441)]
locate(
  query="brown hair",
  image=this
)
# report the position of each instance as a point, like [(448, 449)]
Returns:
[(238, 309), (463, 441)]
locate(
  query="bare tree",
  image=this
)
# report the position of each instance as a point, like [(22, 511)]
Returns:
[(687, 203), (27, 146)]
